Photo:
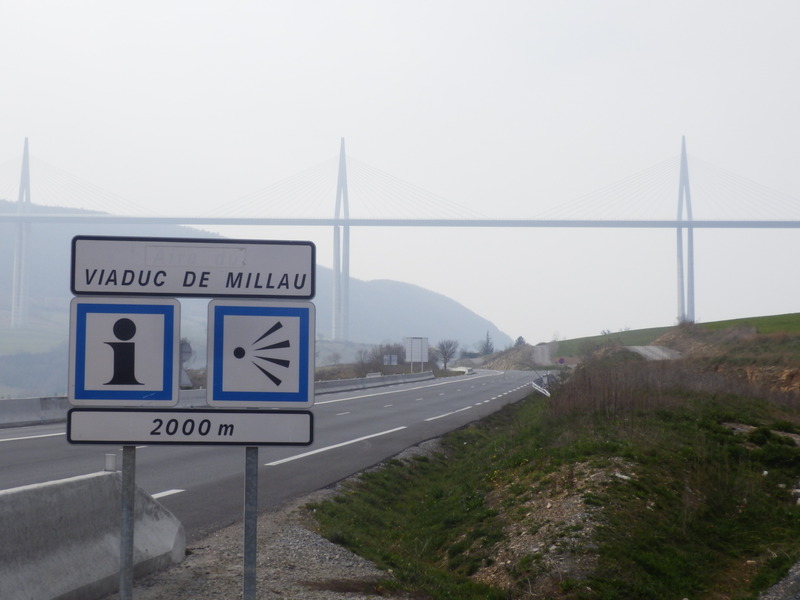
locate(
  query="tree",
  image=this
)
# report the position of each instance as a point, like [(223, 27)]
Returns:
[(372, 360), (520, 341), (447, 349), (486, 346)]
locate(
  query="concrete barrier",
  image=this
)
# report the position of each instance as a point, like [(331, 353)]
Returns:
[(346, 385), (61, 539), (33, 411), (16, 412)]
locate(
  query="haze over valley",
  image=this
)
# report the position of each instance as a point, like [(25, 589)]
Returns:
[(382, 311)]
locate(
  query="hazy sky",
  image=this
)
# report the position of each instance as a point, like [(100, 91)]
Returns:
[(504, 108)]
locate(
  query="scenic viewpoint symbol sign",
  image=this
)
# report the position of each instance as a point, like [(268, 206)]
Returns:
[(261, 353), (123, 352)]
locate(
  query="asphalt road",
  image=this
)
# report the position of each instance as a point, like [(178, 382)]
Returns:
[(204, 486)]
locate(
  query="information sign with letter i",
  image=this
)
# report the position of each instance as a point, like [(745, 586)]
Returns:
[(124, 351)]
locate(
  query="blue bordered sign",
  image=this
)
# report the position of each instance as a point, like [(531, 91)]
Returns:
[(261, 353), (124, 351)]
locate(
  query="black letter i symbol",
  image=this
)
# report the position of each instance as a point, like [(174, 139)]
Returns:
[(124, 353)]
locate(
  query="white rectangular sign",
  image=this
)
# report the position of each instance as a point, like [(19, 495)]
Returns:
[(416, 349), (193, 267), (190, 427)]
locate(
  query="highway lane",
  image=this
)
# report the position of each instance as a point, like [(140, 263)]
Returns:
[(203, 486)]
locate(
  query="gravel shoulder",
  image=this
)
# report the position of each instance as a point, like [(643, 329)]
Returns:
[(292, 562)]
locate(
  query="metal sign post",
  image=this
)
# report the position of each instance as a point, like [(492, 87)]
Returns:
[(127, 524), (250, 522)]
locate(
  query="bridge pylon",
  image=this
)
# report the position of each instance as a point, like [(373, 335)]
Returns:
[(341, 255), (19, 303), (685, 265)]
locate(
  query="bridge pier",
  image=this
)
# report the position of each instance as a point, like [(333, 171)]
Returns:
[(341, 255), (19, 304), (685, 266)]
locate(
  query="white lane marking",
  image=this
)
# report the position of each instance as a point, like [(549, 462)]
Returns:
[(448, 414), (342, 414), (326, 448), (418, 399), (419, 387), (32, 437), (167, 493), (388, 405)]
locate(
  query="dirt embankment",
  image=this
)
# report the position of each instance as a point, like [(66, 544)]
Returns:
[(523, 357), (739, 352)]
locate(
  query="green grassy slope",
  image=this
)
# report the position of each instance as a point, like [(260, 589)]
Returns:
[(635, 480)]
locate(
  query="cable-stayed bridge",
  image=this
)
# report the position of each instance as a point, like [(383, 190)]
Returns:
[(368, 197)]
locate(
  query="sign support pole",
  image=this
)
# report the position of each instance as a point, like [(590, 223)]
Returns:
[(127, 526), (250, 522)]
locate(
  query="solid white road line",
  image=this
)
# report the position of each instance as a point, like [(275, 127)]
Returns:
[(420, 387), (167, 493), (448, 414), (32, 437), (326, 448)]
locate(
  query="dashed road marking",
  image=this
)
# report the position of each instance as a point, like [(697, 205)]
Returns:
[(448, 414), (326, 448)]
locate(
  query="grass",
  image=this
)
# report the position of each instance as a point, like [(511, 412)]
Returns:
[(703, 512), (787, 324), (455, 520), (638, 337)]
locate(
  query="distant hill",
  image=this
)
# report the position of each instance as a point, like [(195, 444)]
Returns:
[(381, 311)]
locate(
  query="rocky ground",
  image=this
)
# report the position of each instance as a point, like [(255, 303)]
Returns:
[(293, 562)]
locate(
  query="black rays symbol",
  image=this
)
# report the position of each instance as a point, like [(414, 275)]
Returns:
[(240, 352)]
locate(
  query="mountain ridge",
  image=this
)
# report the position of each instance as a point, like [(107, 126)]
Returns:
[(381, 311)]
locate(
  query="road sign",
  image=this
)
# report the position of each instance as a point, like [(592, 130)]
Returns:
[(260, 353), (204, 427), (124, 351), (133, 266)]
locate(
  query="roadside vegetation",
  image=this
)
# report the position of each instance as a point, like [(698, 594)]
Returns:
[(635, 480)]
